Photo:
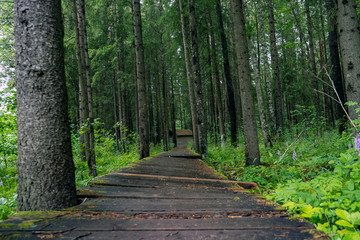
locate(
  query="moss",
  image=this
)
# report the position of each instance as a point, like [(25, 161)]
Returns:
[(39, 214), (7, 225), (280, 208), (29, 223), (88, 192), (96, 182), (317, 234)]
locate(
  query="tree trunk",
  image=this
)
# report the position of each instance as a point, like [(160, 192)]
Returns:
[(275, 65), (189, 80), (259, 96), (115, 109), (211, 100), (252, 153), (83, 103), (85, 93), (120, 66), (349, 37), (173, 114), (267, 78), (302, 62), (335, 72), (164, 90), (46, 179), (315, 82), (200, 120), (218, 93), (92, 159), (228, 78), (143, 130)]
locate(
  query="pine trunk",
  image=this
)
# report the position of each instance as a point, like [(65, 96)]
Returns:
[(46, 179), (252, 153), (260, 102), (217, 84), (267, 76), (143, 130), (173, 113), (200, 119), (335, 72), (315, 82), (275, 67), (228, 78), (190, 80)]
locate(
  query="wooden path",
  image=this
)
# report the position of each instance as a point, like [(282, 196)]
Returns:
[(170, 196)]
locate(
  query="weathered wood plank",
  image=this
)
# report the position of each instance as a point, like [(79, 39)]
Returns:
[(166, 197)]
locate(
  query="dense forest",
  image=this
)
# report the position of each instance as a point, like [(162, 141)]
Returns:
[(270, 90)]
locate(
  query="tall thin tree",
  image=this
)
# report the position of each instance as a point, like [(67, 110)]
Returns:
[(275, 65), (252, 153), (200, 120), (228, 77), (85, 92), (335, 65), (189, 78), (143, 130)]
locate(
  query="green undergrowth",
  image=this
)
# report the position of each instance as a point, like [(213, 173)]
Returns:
[(108, 159), (316, 177)]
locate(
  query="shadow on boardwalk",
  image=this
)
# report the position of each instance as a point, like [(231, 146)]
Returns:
[(170, 196)]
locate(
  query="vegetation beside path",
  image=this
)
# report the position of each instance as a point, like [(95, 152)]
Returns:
[(108, 160), (315, 176)]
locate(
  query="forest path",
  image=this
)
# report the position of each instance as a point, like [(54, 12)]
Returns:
[(170, 196)]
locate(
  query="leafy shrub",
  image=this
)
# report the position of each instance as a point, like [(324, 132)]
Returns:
[(317, 177)]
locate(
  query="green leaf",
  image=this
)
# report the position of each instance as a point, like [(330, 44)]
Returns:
[(342, 214), (351, 103), (355, 218), (350, 185), (344, 223)]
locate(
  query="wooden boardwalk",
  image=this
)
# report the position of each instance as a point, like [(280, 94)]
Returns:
[(170, 196)]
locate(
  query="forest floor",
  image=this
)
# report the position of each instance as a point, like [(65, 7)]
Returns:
[(173, 195)]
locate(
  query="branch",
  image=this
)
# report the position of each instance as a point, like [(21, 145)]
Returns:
[(327, 95)]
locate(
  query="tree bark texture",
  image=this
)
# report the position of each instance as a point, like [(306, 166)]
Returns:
[(92, 160), (143, 130), (87, 138), (165, 96), (259, 96), (315, 82), (275, 65), (335, 71), (267, 78), (228, 78), (120, 81), (200, 120), (218, 93), (189, 80), (252, 153), (46, 178), (349, 37), (173, 114), (83, 101)]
